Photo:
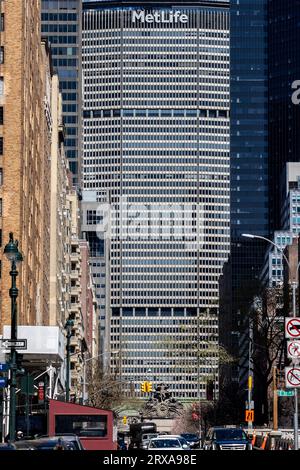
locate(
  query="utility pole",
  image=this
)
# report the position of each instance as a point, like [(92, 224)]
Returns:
[(275, 400)]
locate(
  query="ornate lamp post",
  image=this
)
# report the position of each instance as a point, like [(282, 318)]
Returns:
[(12, 253)]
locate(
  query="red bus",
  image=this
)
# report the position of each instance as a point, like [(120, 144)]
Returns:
[(94, 426)]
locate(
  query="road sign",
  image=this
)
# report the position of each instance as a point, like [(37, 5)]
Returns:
[(13, 343), (251, 407), (285, 393), (292, 328), (292, 377), (249, 416), (3, 382), (4, 367), (293, 349)]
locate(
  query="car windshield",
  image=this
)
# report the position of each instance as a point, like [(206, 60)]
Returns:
[(230, 435), (163, 443), (149, 436), (46, 445), (190, 436)]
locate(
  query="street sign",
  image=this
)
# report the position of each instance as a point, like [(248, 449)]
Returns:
[(249, 416), (292, 328), (293, 349), (285, 393), (251, 407), (13, 343), (292, 377), (4, 367), (3, 382)]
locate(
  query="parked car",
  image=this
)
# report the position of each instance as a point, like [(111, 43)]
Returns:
[(72, 440), (168, 443), (146, 439), (192, 439), (224, 438), (50, 443), (7, 446)]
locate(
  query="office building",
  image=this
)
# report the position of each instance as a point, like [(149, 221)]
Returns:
[(156, 137), (61, 25), (25, 146), (249, 210)]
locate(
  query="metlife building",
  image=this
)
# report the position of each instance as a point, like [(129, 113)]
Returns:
[(156, 138)]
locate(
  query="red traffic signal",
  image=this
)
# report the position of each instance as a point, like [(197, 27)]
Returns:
[(41, 392)]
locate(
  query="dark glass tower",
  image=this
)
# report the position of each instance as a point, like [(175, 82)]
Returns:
[(61, 25), (248, 162), (284, 116)]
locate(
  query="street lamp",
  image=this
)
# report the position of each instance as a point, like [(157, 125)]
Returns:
[(68, 326), (294, 287), (84, 370), (12, 253)]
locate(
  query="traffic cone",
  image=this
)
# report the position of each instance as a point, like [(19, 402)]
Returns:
[(264, 442), (253, 438)]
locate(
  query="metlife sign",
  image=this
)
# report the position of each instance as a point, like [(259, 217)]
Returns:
[(159, 17)]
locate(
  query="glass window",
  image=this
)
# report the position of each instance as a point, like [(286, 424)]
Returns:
[(85, 426)]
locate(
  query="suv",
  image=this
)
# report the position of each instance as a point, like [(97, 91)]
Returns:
[(223, 438)]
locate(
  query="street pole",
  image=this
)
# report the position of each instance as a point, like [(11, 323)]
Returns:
[(250, 371), (275, 400), (13, 293), (198, 384), (296, 442)]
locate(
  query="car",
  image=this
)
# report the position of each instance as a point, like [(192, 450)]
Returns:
[(49, 443), (192, 439), (226, 438), (146, 439), (168, 443), (72, 440), (8, 446)]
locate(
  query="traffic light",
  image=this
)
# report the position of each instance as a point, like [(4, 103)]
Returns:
[(124, 419), (19, 360), (144, 387), (149, 387)]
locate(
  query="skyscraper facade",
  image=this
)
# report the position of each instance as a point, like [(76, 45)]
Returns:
[(249, 184), (284, 115), (156, 136), (61, 25)]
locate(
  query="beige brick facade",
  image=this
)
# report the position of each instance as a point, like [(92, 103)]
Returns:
[(25, 163)]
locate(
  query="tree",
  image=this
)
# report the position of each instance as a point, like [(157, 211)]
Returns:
[(268, 342), (104, 389)]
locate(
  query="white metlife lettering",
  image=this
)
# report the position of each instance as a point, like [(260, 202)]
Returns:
[(159, 17)]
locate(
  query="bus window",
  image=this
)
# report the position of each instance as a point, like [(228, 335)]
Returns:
[(82, 425)]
